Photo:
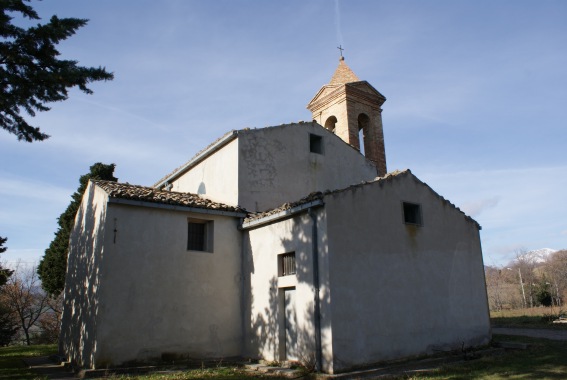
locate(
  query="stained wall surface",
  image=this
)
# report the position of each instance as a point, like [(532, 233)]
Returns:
[(400, 289), (276, 165)]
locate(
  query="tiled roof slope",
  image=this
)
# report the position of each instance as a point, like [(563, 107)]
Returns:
[(343, 74), (150, 194)]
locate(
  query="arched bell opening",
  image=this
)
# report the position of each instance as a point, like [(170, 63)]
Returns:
[(331, 123), (363, 135)]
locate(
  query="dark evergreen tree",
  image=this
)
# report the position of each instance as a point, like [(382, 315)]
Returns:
[(8, 325), (53, 264), (4, 273), (543, 293), (31, 74), (8, 322)]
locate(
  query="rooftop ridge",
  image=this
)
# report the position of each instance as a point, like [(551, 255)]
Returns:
[(319, 195)]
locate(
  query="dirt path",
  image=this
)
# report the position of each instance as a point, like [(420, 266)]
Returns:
[(533, 333)]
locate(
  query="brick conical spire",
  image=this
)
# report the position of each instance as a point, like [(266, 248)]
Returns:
[(343, 74)]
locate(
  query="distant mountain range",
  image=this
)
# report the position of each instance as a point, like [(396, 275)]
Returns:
[(540, 255)]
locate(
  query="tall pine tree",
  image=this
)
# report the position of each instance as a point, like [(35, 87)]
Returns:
[(53, 264), (31, 74)]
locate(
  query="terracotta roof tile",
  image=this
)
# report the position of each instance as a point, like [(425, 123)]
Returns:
[(151, 194), (343, 74)]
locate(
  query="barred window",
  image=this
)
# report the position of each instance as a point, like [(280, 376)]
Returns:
[(286, 264), (200, 235)]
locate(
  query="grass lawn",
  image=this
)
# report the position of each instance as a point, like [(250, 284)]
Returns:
[(214, 373), (536, 317), (11, 360), (545, 359)]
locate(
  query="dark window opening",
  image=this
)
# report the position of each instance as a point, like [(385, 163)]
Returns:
[(315, 144), (200, 235), (412, 213), (286, 264)]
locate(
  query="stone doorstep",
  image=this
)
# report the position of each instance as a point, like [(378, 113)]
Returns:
[(271, 370)]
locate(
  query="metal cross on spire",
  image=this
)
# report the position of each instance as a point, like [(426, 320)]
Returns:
[(340, 47)]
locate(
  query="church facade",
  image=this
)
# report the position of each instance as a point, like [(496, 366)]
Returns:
[(281, 243)]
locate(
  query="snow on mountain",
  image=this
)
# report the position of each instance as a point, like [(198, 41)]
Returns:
[(540, 255)]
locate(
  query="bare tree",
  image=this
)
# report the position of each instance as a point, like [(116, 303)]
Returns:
[(25, 297), (502, 288), (556, 269), (526, 264)]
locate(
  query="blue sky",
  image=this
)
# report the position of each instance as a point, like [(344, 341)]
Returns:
[(476, 98)]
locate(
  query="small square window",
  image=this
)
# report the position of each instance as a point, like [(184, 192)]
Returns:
[(315, 144), (200, 235), (286, 264), (412, 213)]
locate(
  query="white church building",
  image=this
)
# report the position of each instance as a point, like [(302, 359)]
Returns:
[(281, 243)]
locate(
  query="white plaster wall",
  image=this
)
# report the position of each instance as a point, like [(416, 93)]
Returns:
[(82, 283), (263, 289), (276, 165), (215, 178), (399, 290), (161, 298)]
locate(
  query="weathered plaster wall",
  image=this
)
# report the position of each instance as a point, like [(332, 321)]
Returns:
[(398, 289), (82, 283), (161, 298), (263, 289), (215, 178), (276, 165)]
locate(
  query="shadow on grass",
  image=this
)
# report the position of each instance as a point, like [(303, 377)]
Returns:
[(11, 360), (544, 359), (528, 321)]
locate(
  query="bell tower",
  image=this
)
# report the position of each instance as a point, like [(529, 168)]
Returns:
[(351, 109)]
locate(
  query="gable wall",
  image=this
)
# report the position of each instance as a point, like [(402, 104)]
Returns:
[(81, 303), (276, 165), (400, 290), (215, 178), (161, 298)]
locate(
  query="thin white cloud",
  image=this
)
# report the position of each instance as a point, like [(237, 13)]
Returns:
[(474, 208), (28, 189), (517, 207)]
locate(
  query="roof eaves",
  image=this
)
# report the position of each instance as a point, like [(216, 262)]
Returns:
[(254, 221), (165, 206)]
